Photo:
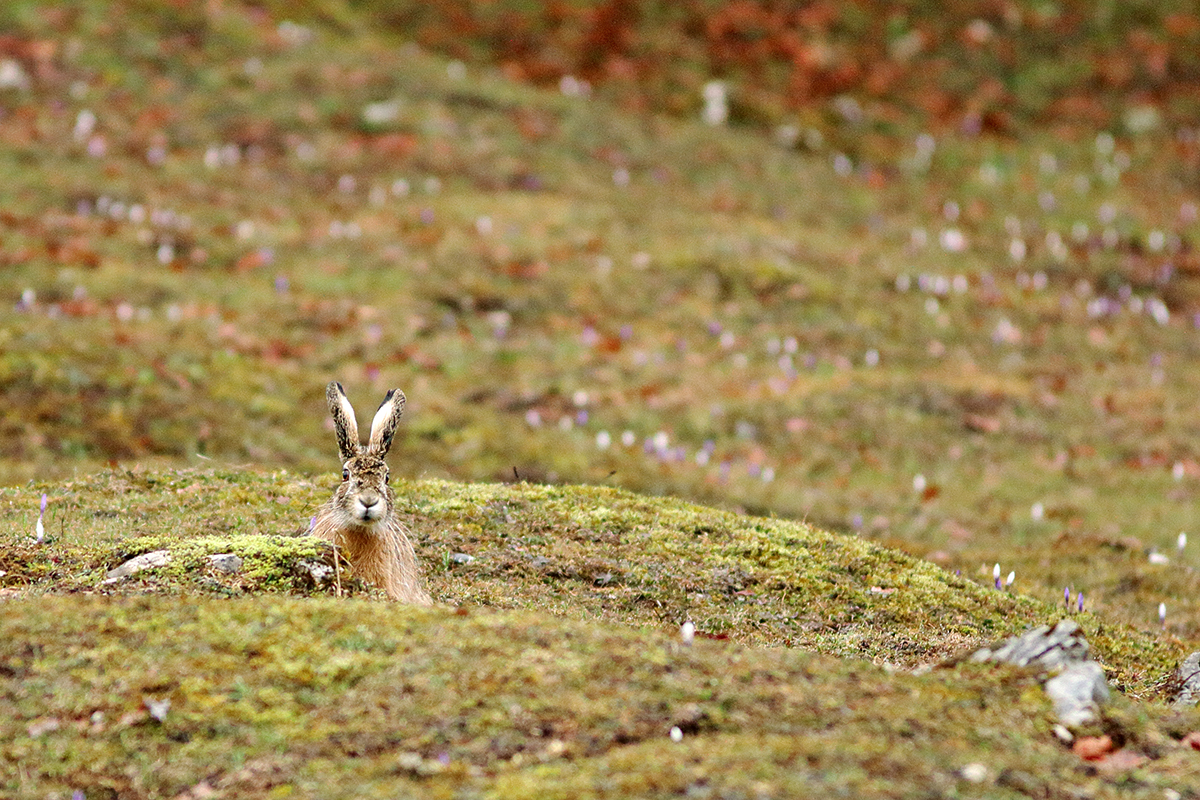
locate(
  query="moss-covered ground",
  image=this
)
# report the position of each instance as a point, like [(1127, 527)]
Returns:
[(553, 666), (802, 379)]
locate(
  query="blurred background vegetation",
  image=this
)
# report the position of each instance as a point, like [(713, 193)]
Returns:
[(925, 274)]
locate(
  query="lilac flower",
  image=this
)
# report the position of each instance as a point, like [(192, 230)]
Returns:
[(1080, 599), (996, 575)]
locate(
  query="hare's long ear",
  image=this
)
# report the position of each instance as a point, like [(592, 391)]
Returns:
[(383, 427), (344, 422)]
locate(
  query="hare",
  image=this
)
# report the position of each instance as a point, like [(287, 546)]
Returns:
[(360, 518)]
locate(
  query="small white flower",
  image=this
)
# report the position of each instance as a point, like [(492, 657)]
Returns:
[(676, 734), (975, 772), (688, 632), (953, 240), (40, 529), (158, 708)]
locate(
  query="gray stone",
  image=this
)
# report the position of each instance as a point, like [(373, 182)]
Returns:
[(1077, 686), (320, 573), (461, 558), (1043, 648), (1188, 676), (226, 562), (1077, 693), (157, 558)]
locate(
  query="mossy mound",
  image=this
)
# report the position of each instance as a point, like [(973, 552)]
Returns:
[(568, 682), (579, 551)]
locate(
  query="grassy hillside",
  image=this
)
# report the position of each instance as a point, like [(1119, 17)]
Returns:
[(941, 346), (977, 352), (554, 666)]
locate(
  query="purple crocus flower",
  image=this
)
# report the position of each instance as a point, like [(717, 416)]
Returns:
[(40, 528)]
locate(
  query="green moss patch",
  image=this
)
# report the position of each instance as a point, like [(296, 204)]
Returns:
[(271, 696), (575, 551)]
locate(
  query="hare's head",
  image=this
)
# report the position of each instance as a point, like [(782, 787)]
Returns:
[(364, 498)]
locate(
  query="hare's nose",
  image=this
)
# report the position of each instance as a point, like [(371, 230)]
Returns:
[(368, 500)]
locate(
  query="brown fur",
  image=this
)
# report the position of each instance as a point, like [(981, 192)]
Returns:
[(360, 518), (381, 556)]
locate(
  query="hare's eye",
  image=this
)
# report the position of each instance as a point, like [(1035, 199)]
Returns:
[(345, 474), (387, 477)]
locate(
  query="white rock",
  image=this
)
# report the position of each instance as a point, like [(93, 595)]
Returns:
[(320, 573), (157, 558), (1077, 693), (226, 562)]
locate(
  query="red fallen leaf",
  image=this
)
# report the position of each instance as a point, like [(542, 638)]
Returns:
[(80, 308), (1093, 748), (526, 268), (1121, 761), (930, 493), (395, 145), (981, 423), (252, 260), (1181, 24), (1192, 740)]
